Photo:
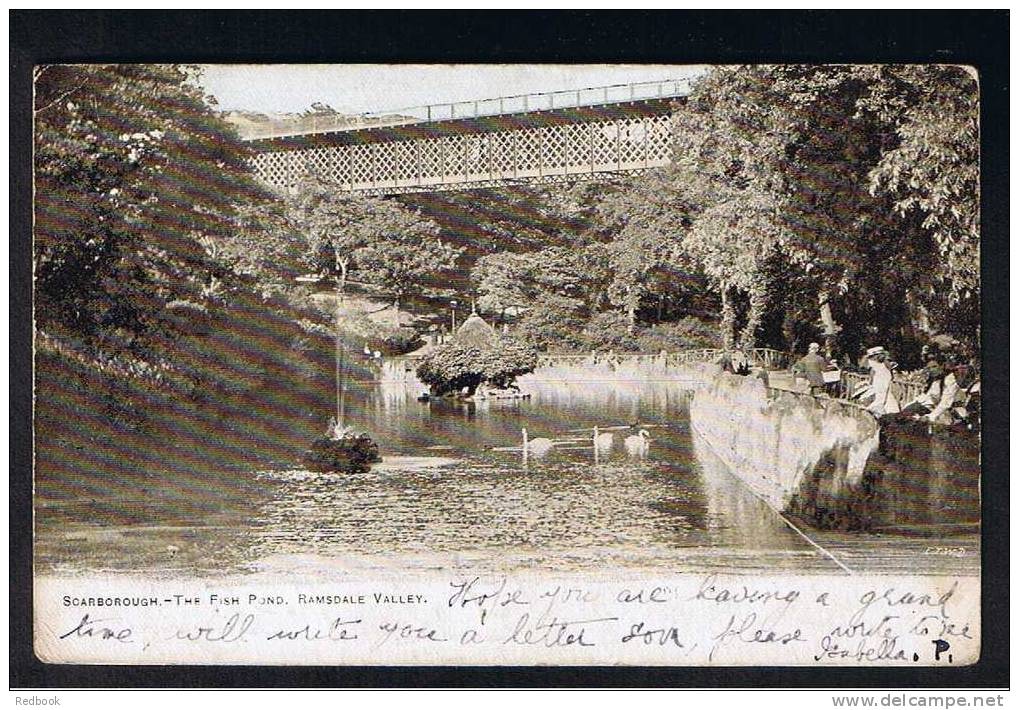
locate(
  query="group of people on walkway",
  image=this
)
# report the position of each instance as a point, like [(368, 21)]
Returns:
[(950, 380), (951, 384), (951, 389)]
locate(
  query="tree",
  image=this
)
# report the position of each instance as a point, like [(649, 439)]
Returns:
[(645, 221), (406, 254), (455, 366), (835, 169), (392, 246), (500, 282), (504, 280), (133, 172), (933, 167), (318, 108), (726, 150), (515, 218), (556, 289), (332, 221), (262, 243)]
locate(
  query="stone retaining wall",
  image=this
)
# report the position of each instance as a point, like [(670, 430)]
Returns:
[(774, 440), (830, 464)]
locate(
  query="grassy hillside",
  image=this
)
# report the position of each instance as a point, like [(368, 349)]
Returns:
[(245, 386)]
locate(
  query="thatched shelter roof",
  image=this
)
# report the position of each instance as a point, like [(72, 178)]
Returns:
[(475, 331)]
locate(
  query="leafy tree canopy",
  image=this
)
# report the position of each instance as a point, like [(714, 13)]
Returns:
[(391, 245), (134, 174), (845, 171)]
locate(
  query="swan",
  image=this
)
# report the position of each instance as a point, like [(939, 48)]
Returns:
[(538, 447), (603, 442), (637, 444)]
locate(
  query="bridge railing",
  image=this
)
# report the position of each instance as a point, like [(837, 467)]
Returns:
[(322, 123), (521, 103), (549, 100)]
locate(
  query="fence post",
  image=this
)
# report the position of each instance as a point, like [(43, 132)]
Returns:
[(516, 152), (372, 164), (619, 146), (647, 140), (541, 147)]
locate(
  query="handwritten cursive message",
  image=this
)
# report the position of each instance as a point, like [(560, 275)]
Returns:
[(704, 619)]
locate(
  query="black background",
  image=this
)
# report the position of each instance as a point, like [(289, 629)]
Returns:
[(977, 38)]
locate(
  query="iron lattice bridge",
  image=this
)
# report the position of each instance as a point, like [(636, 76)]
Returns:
[(537, 138)]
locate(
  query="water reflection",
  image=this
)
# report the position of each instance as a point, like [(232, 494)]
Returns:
[(492, 503), (457, 491)]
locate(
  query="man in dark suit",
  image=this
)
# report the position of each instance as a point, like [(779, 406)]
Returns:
[(811, 367)]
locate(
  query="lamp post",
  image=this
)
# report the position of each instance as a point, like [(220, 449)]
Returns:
[(452, 305)]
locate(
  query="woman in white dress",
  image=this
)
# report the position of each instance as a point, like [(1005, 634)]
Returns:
[(881, 383)]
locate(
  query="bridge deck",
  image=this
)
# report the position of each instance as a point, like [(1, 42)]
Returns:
[(503, 106)]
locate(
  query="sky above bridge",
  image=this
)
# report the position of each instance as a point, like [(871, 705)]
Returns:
[(366, 88)]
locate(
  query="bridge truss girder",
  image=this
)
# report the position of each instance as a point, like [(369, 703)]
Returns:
[(385, 163)]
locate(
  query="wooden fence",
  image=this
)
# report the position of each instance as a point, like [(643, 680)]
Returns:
[(759, 357), (904, 389)]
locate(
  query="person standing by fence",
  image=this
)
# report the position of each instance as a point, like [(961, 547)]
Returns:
[(934, 375), (881, 383), (811, 367), (957, 386)]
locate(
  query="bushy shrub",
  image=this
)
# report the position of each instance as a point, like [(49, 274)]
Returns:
[(350, 454), (690, 332), (387, 339), (454, 366), (552, 324), (609, 331)]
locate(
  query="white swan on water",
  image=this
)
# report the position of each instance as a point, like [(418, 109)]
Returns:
[(538, 447), (603, 442), (637, 445)]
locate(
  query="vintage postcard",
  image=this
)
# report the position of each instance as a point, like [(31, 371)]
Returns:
[(483, 364)]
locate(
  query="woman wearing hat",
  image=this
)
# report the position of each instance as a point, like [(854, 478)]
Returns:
[(881, 383)]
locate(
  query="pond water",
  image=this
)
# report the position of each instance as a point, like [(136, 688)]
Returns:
[(453, 493)]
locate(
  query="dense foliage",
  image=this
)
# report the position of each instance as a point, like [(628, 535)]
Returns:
[(834, 203), (137, 182), (862, 178), (457, 366), (391, 246), (804, 202)]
